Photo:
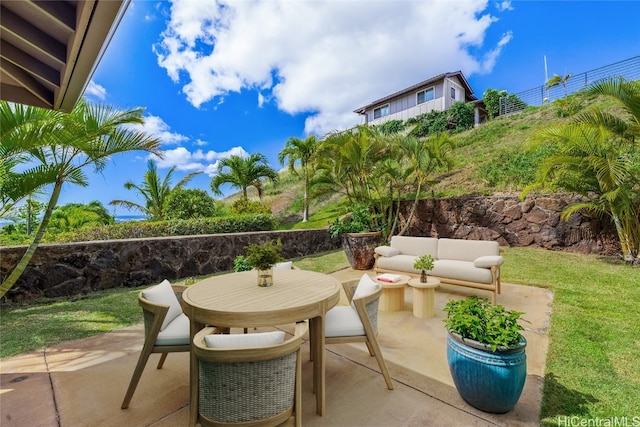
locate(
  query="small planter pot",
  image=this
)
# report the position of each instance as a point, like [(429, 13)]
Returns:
[(265, 277), (487, 380), (360, 249)]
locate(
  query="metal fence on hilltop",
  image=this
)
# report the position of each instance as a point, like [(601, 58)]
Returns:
[(628, 69)]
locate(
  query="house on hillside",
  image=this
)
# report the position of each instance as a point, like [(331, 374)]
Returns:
[(437, 93)]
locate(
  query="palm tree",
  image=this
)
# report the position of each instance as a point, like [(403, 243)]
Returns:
[(87, 136), (422, 159), (154, 191), (594, 159), (243, 173), (624, 125), (304, 151), (23, 129), (557, 80)]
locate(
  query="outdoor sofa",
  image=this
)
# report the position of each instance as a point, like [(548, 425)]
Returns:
[(471, 263)]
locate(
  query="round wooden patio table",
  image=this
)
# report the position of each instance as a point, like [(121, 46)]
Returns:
[(235, 300)]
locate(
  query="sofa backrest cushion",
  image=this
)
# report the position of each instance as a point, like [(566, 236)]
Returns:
[(415, 245), (466, 250)]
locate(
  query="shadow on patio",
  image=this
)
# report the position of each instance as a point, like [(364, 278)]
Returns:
[(82, 383)]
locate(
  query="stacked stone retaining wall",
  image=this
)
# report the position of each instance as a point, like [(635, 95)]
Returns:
[(77, 268), (533, 222)]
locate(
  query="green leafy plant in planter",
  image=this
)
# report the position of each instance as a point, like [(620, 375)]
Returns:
[(240, 264), (486, 353), (360, 234), (263, 258), (424, 263)]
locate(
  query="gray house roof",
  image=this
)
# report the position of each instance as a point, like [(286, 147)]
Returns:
[(469, 92)]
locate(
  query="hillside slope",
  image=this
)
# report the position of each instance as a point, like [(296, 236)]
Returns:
[(489, 146)]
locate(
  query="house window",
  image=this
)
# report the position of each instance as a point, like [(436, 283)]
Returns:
[(426, 95), (453, 93), (381, 111)]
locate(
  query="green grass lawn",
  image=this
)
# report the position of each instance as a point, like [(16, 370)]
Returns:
[(593, 363)]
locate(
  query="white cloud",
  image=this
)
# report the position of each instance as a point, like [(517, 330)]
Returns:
[(157, 127), (320, 57), (504, 5), (192, 161), (94, 89), (491, 57)]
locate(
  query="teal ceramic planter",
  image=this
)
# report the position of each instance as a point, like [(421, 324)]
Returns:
[(489, 381)]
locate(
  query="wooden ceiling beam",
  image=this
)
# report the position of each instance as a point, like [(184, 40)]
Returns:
[(33, 36), (29, 63), (32, 85)]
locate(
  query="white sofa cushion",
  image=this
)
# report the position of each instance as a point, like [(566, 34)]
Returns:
[(398, 263), (466, 250), (163, 294), (488, 261), (386, 251), (176, 332), (343, 321), (261, 339), (286, 265), (461, 270), (415, 245)]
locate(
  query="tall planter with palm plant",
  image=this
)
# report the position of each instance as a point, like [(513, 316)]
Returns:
[(86, 137), (154, 190), (360, 235)]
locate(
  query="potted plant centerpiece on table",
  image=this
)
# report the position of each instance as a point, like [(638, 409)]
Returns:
[(424, 263), (486, 353), (360, 234), (262, 258)]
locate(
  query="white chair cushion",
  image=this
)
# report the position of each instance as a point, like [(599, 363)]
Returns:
[(343, 321), (176, 332), (387, 251), (488, 261), (287, 265), (261, 339), (163, 294), (366, 287)]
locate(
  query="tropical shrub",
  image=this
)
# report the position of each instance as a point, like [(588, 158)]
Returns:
[(142, 229), (244, 206), (189, 203), (391, 127)]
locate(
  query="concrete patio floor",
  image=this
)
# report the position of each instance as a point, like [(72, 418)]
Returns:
[(82, 382)]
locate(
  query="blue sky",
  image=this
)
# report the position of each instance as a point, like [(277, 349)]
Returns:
[(234, 77)]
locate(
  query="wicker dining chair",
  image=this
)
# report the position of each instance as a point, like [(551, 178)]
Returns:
[(249, 383), (358, 322), (166, 328)]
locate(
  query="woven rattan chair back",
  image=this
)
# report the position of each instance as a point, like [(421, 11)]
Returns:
[(257, 386)]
